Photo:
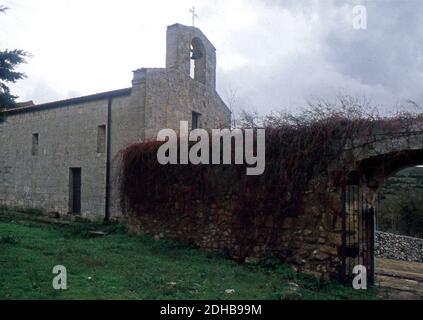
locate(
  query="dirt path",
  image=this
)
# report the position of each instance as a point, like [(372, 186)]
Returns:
[(399, 279)]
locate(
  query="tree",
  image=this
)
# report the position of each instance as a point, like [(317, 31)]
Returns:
[(9, 60), (248, 119), (400, 207)]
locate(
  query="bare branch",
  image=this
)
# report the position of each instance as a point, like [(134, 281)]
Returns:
[(3, 9)]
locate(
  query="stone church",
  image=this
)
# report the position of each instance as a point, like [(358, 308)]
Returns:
[(61, 156)]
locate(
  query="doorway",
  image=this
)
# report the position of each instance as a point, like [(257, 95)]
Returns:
[(75, 190), (399, 237)]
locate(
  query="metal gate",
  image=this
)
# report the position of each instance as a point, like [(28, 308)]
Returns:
[(358, 224)]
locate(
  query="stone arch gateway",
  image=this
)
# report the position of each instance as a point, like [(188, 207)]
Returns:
[(326, 228), (374, 163)]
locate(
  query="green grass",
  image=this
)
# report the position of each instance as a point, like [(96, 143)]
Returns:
[(122, 266)]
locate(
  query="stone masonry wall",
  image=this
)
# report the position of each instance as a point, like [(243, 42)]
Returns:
[(128, 126), (172, 96), (397, 247), (310, 241), (67, 138)]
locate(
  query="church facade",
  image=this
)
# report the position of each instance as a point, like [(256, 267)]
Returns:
[(62, 156)]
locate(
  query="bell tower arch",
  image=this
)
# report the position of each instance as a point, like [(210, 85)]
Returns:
[(189, 51)]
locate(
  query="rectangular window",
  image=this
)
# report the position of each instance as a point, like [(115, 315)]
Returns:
[(35, 141), (195, 120), (101, 139)]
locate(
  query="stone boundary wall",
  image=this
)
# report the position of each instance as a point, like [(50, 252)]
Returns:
[(309, 241), (393, 246)]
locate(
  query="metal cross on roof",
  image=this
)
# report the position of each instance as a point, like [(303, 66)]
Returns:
[(194, 15)]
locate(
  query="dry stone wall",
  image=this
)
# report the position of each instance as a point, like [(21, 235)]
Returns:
[(310, 240), (398, 247)]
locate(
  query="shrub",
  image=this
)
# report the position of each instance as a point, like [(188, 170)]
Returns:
[(9, 240), (299, 152)]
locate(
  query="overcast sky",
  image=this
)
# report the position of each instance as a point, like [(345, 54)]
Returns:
[(271, 54)]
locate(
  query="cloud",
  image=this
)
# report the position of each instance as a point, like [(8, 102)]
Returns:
[(315, 53), (271, 54)]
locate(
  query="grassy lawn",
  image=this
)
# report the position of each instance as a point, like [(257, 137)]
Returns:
[(122, 266)]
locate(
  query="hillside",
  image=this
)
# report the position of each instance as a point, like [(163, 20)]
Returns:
[(401, 203)]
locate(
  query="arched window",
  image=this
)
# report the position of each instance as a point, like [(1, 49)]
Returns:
[(198, 60)]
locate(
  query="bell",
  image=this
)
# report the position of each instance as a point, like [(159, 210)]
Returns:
[(196, 54)]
